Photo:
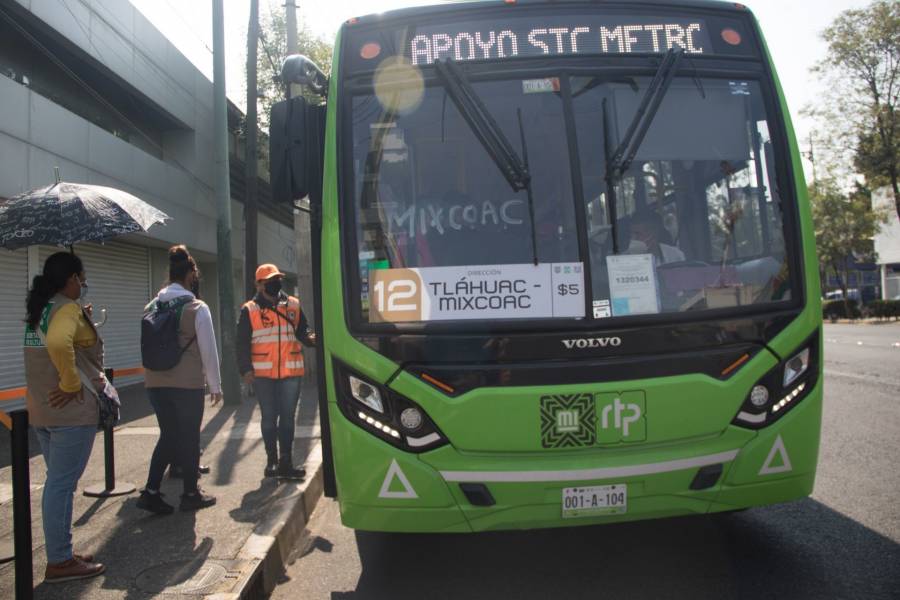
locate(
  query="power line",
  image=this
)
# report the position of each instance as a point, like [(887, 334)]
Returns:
[(163, 73), (188, 25)]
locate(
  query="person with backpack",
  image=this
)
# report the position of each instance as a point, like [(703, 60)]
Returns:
[(269, 332), (63, 376), (178, 350)]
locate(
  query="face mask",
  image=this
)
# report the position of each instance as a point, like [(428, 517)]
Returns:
[(83, 290), (273, 287)]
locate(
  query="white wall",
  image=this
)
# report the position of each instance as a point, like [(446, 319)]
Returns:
[(887, 241)]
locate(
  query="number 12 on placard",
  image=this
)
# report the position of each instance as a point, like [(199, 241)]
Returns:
[(397, 290)]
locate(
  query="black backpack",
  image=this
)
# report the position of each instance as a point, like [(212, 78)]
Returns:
[(159, 335)]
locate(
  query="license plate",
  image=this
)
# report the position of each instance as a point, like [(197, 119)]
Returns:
[(594, 501)]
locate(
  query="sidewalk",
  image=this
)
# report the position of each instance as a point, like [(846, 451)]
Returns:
[(219, 550)]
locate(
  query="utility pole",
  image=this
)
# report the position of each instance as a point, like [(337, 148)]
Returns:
[(231, 386), (812, 157), (251, 227)]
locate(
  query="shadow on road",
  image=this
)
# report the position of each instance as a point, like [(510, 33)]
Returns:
[(798, 551)]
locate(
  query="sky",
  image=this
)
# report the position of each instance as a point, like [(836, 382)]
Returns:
[(791, 28)]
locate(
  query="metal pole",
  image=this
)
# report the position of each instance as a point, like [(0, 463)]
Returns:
[(231, 386), (302, 226), (21, 505), (292, 47), (109, 487), (250, 205)]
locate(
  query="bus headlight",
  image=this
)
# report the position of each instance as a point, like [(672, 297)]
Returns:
[(366, 393), (782, 388), (796, 367), (385, 413)]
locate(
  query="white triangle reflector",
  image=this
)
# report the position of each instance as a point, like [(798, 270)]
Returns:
[(777, 449), (392, 472)]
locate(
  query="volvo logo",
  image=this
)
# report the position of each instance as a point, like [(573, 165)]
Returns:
[(601, 342)]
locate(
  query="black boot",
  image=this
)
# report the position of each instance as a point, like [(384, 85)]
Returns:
[(286, 470), (271, 467)]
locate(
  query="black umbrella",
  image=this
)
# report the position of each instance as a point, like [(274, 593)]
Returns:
[(64, 214)]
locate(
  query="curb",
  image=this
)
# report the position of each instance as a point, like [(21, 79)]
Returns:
[(266, 551)]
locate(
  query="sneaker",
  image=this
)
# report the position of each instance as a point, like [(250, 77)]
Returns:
[(286, 470), (196, 501), (154, 503), (72, 569)]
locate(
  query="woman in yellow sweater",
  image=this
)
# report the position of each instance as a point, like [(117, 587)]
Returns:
[(63, 370)]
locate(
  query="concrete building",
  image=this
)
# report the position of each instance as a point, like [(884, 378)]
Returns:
[(887, 245), (91, 87)]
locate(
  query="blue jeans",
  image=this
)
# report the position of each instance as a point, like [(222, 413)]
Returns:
[(66, 451), (278, 400)]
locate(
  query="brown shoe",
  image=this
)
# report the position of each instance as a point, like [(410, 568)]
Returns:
[(84, 557), (72, 569)]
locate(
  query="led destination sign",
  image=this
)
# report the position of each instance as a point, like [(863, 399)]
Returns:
[(555, 36)]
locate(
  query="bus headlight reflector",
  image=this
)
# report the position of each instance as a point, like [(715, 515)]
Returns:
[(796, 367), (367, 394), (759, 396)]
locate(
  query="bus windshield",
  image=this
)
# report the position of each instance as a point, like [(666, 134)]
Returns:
[(693, 223)]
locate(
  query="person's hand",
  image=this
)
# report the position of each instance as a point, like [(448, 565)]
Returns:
[(89, 310), (215, 398), (59, 398), (248, 377), (311, 338)]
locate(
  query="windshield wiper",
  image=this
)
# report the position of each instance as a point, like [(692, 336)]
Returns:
[(488, 132), (619, 160), (643, 118)]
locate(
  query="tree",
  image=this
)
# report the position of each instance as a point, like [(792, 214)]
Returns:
[(861, 71), (273, 51), (844, 227)]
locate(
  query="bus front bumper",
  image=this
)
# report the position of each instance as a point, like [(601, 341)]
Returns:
[(387, 489)]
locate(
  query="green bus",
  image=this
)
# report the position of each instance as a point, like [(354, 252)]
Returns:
[(565, 267)]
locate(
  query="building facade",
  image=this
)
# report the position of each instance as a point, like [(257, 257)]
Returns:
[(887, 245), (91, 87)]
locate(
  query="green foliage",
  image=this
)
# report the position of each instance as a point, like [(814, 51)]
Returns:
[(883, 309), (840, 309), (844, 225), (860, 107)]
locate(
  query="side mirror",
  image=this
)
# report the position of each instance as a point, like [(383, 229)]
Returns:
[(296, 147)]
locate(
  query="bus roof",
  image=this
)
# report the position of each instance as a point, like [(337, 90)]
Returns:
[(450, 7)]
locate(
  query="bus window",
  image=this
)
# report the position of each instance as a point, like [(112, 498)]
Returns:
[(697, 197)]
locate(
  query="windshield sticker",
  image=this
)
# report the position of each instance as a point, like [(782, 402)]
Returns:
[(540, 86), (739, 88), (477, 292), (632, 284), (602, 309)]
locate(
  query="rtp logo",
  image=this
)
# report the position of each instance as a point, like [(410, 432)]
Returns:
[(622, 417)]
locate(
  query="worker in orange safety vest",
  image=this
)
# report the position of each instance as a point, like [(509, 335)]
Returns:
[(269, 333)]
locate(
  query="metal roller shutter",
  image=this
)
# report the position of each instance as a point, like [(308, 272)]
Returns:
[(13, 289), (118, 276)]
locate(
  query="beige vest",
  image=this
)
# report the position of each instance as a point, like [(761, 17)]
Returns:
[(188, 373), (42, 377)]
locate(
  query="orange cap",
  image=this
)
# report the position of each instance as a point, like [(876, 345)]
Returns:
[(267, 271)]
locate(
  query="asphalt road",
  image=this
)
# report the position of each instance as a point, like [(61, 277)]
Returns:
[(843, 542)]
